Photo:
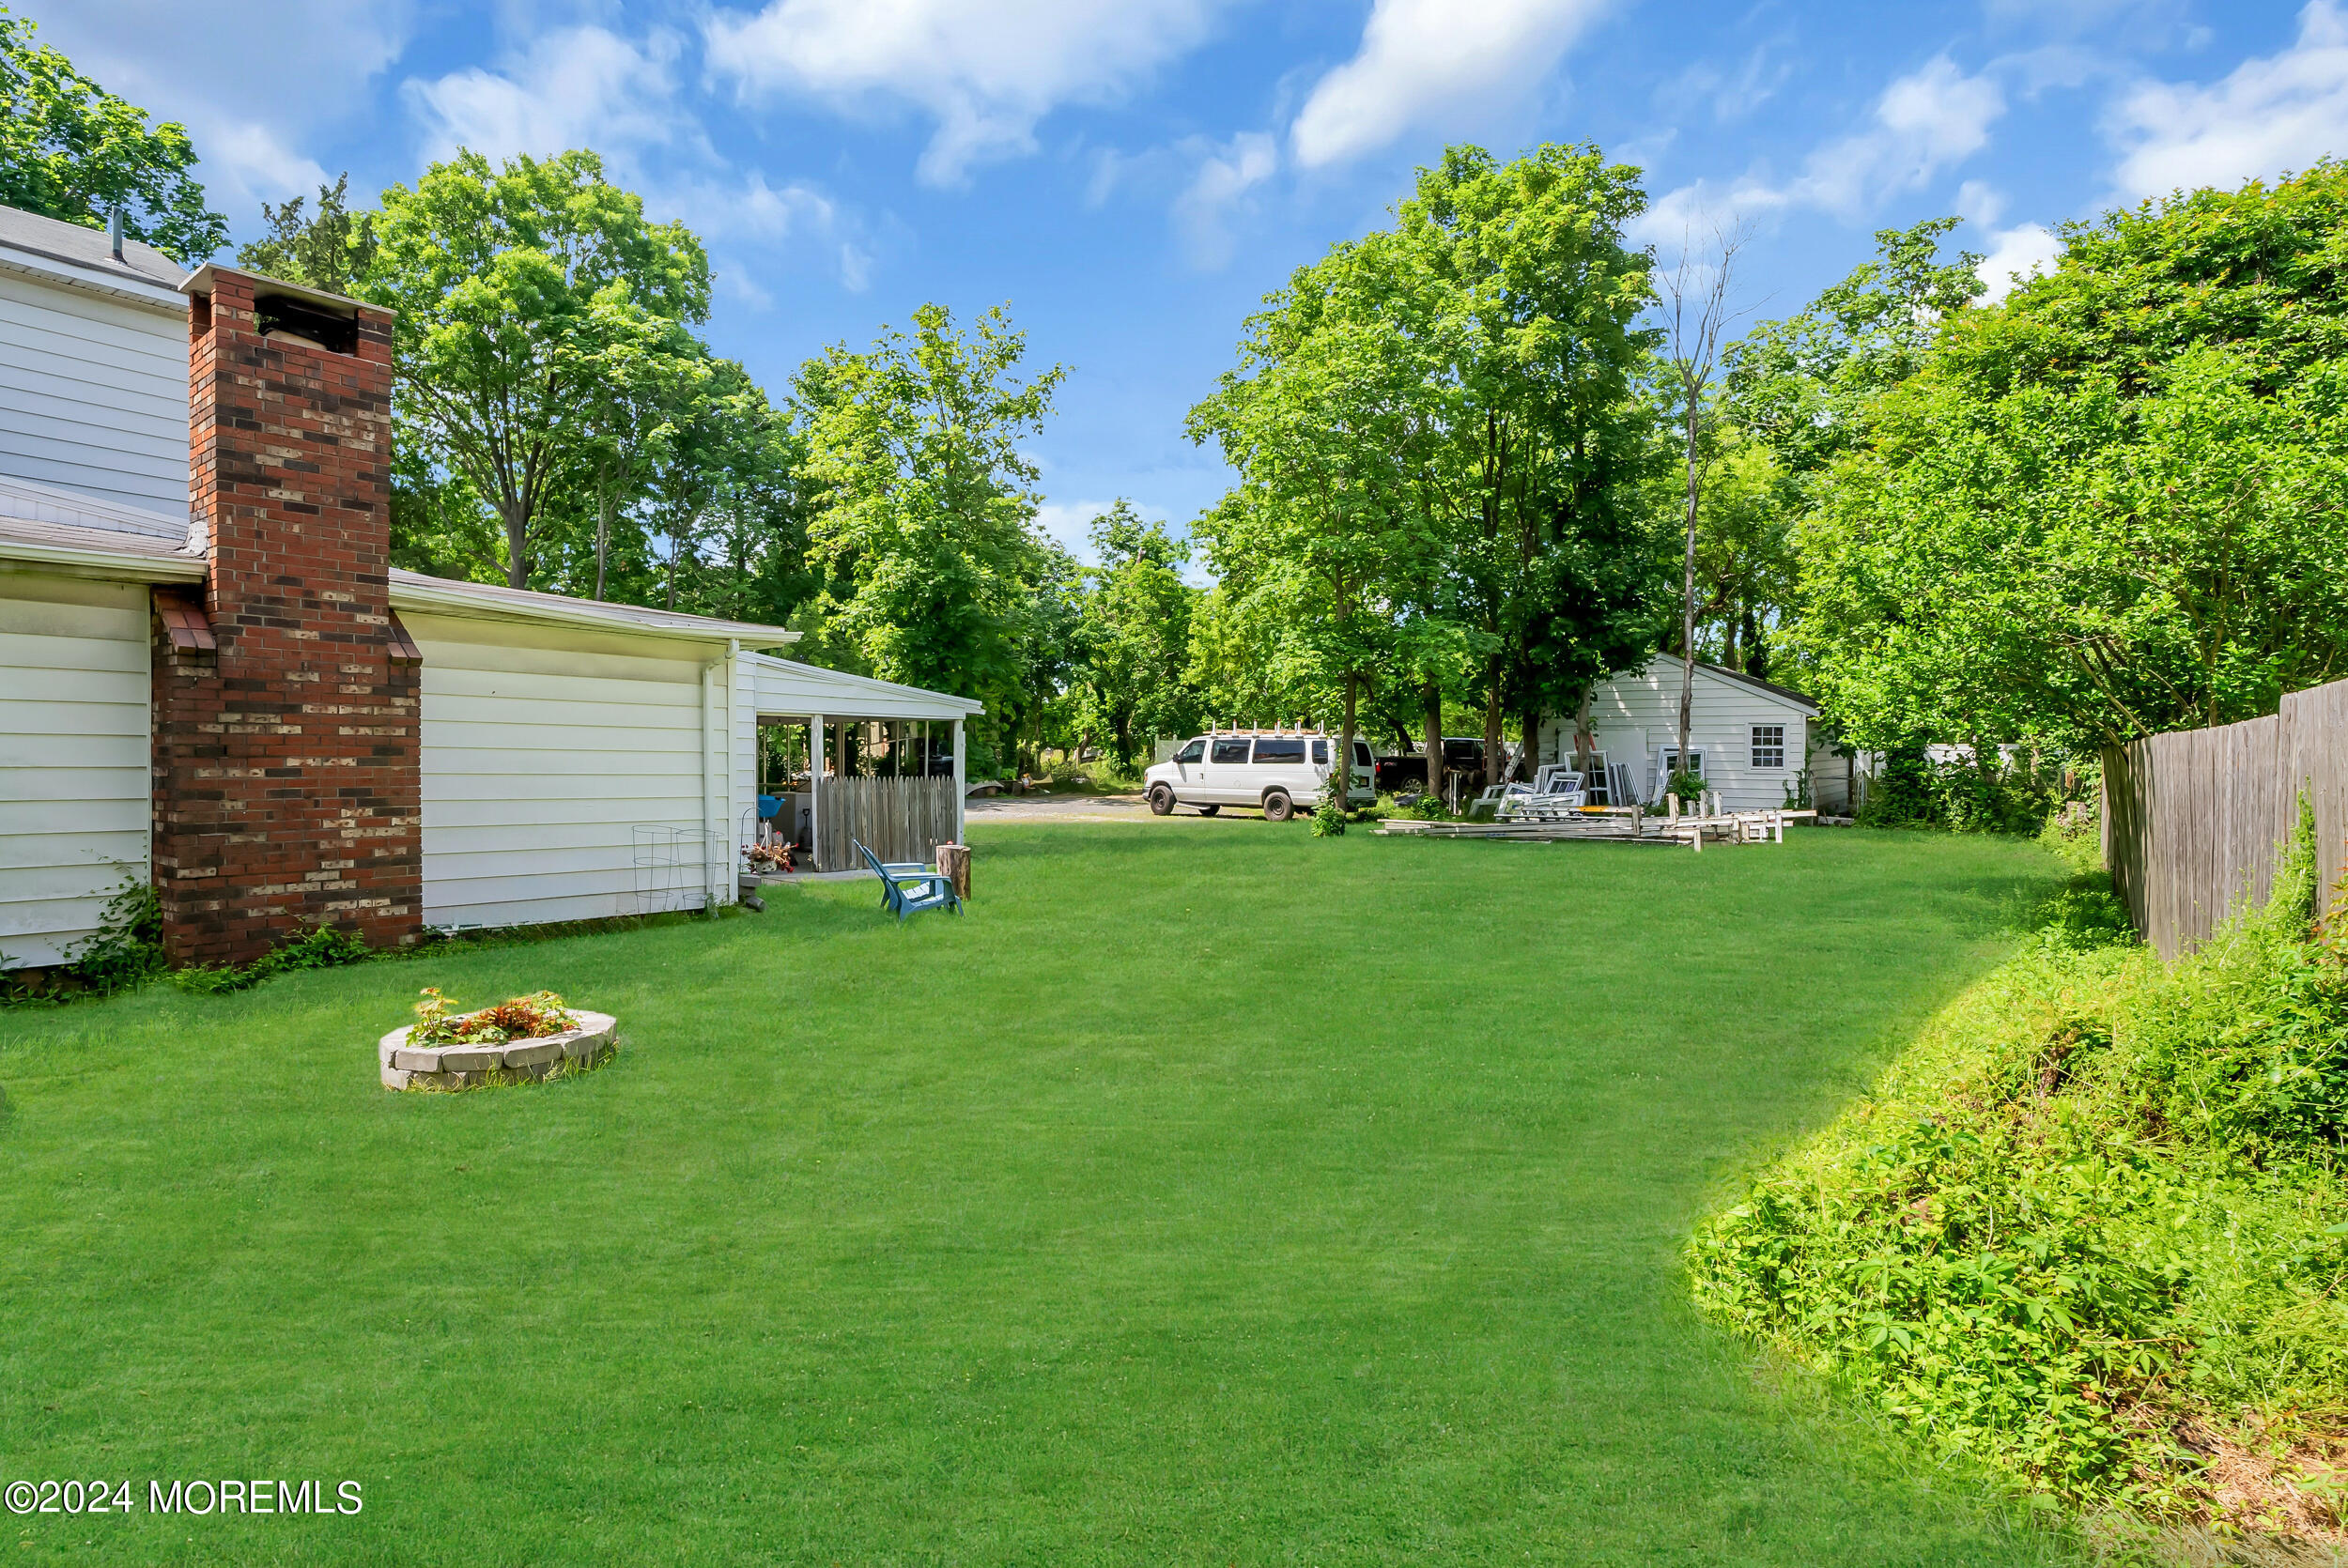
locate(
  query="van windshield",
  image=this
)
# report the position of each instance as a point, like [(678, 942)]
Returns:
[(1279, 749)]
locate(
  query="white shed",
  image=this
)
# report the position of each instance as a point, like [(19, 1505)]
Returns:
[(1749, 738)]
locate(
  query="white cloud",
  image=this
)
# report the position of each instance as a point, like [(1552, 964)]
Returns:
[(985, 70), (575, 87), (181, 63), (1979, 202), (1704, 86), (589, 87), (2015, 255), (1434, 64), (1225, 174), (1065, 523), (257, 161), (755, 211), (2281, 111), (1924, 122)]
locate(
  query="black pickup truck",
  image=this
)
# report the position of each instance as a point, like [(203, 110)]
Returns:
[(1460, 754)]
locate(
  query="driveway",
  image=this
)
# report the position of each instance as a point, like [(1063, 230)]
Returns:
[(1058, 808)]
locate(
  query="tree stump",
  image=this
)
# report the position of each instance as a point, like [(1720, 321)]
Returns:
[(954, 861)]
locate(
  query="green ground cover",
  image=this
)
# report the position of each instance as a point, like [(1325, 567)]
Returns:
[(1209, 1194)]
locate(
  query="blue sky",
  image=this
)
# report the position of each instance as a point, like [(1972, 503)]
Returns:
[(1132, 177)]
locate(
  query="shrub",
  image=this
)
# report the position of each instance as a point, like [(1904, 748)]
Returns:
[(1910, 791), (127, 948), (124, 952), (2090, 1228), (319, 947)]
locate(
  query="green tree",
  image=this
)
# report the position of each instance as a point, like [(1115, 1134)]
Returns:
[(1804, 385), (330, 251), (1134, 635), (1324, 418), (1528, 308), (2107, 506), (1745, 566), (923, 521), (71, 149), (727, 498), (512, 285)]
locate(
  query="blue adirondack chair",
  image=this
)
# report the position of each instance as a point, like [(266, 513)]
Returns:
[(936, 889)]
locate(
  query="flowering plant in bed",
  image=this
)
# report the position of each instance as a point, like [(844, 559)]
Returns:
[(522, 1039), (517, 1018)]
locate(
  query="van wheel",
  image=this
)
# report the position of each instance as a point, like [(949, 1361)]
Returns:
[(1209, 810), (1161, 800), (1278, 807)]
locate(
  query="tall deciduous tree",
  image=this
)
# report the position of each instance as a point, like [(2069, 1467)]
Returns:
[(71, 149), (923, 526), (1695, 315), (1325, 419), (2111, 505), (1526, 306), (511, 285), (330, 250), (1134, 654)]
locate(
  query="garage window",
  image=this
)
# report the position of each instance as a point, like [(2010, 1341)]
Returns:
[(1769, 746)]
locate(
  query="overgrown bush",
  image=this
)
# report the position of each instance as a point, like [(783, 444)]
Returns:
[(124, 952), (127, 948), (2092, 1227), (319, 947), (1330, 809), (1910, 791)]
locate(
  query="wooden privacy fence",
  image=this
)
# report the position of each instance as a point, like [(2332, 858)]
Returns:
[(2193, 820), (897, 819)]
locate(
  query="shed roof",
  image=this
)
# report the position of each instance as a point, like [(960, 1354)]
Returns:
[(495, 602), (789, 689), (1735, 677)]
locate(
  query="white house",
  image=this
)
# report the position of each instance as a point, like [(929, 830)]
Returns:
[(210, 677), (1749, 738)]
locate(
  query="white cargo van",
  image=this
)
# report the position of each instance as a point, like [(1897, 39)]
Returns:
[(1279, 770)]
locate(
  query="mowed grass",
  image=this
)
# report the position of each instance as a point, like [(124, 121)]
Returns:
[(1209, 1194)]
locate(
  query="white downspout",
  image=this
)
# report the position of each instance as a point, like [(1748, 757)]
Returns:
[(959, 824), (815, 792), (716, 771)]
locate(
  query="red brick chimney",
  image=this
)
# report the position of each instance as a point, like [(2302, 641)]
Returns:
[(287, 792)]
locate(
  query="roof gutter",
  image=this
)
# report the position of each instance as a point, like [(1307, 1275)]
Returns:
[(454, 600), (153, 295), (74, 561)]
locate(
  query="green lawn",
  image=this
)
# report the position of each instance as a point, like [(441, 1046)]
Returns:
[(1211, 1194)]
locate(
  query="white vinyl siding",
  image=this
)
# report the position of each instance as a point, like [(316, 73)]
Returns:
[(544, 750), (94, 394), (1637, 717), (75, 764)]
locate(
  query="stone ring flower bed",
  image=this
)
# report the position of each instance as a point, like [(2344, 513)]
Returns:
[(439, 1062), (468, 1067)]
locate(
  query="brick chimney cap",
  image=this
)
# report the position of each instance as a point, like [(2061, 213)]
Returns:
[(200, 283)]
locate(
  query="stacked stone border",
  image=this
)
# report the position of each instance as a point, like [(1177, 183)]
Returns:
[(474, 1067)]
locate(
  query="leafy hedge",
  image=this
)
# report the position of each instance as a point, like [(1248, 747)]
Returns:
[(2092, 1227)]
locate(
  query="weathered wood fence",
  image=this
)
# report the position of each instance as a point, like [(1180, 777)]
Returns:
[(2193, 820), (897, 819)]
